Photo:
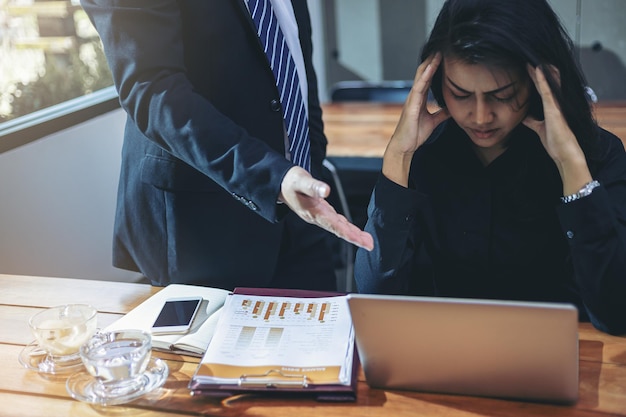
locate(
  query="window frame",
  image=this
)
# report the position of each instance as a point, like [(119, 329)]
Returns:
[(36, 125)]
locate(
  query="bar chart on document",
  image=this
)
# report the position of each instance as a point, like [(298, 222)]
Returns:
[(259, 327), (302, 335), (270, 322)]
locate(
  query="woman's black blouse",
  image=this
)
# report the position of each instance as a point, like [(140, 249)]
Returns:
[(501, 231)]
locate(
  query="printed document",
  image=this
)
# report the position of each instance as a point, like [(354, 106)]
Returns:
[(286, 340)]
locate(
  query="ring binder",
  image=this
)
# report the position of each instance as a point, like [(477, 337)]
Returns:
[(265, 315), (281, 380)]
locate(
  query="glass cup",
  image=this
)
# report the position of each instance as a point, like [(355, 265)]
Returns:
[(60, 331), (117, 360)]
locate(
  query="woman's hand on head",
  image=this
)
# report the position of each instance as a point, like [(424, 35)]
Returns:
[(554, 132), (556, 135), (416, 123)]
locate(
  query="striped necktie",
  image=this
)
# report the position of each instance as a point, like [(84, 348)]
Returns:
[(284, 69)]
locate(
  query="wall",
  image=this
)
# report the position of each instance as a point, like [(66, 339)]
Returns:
[(401, 26), (371, 40), (316, 12), (57, 203), (359, 37)]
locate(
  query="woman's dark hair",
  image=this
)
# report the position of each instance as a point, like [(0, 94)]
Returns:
[(509, 34)]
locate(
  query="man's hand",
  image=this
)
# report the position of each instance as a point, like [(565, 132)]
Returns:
[(306, 196)]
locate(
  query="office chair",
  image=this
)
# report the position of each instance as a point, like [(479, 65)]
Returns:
[(359, 174), (382, 92), (344, 262)]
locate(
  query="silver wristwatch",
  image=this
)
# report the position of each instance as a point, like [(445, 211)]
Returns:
[(583, 192)]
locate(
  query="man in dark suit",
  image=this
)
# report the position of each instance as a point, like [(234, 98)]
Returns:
[(207, 194)]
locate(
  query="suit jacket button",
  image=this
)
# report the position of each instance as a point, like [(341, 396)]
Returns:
[(275, 105)]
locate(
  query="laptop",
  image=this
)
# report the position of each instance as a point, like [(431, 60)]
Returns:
[(488, 348)]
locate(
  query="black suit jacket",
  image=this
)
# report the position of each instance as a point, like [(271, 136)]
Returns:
[(203, 154)]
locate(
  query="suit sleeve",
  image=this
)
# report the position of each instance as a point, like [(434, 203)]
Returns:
[(143, 42)]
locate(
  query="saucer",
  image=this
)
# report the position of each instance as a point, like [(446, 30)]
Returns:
[(34, 358), (84, 387)]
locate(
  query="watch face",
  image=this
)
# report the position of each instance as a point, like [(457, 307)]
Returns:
[(585, 191), (589, 187)]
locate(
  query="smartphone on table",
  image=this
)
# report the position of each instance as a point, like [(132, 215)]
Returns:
[(177, 315)]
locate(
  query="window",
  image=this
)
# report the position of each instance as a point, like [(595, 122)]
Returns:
[(49, 54)]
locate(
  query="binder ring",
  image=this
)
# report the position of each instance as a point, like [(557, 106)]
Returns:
[(279, 379)]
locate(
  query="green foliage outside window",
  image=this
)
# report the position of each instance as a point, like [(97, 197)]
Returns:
[(63, 78)]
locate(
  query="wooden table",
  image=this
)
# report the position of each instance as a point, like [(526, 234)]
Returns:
[(26, 393), (364, 128)]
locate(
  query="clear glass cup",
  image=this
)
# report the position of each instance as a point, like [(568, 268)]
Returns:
[(60, 331), (117, 360)]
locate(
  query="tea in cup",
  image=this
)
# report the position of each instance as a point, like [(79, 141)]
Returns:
[(60, 331), (117, 360)]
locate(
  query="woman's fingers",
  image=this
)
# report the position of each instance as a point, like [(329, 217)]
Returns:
[(422, 80), (416, 123), (547, 99), (555, 133), (541, 83), (426, 76)]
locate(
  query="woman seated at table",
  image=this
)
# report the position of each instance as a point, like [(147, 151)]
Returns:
[(510, 190)]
